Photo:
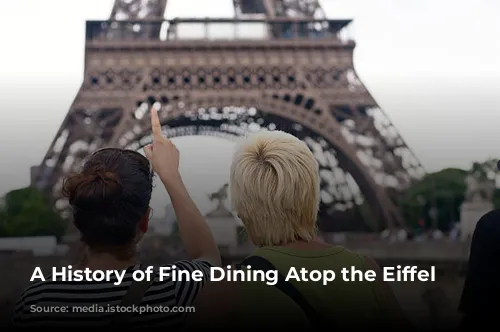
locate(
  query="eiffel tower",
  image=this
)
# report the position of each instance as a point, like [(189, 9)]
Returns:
[(277, 65)]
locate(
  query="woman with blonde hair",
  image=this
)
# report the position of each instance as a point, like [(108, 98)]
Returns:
[(275, 189)]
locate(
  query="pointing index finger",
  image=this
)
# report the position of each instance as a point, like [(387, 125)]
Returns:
[(155, 124)]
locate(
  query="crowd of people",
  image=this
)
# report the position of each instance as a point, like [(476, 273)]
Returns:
[(275, 189)]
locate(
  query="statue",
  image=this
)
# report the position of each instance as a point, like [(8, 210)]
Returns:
[(478, 198), (479, 187), (222, 221), (220, 196)]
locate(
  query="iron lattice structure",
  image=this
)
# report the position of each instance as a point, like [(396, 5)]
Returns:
[(280, 64)]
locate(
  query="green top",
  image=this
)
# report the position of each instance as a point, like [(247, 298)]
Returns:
[(339, 302)]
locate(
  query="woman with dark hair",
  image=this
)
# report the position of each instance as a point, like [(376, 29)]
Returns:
[(110, 201)]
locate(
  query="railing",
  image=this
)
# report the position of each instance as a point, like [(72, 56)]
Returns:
[(216, 29)]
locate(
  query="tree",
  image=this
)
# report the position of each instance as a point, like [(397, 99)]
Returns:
[(443, 191), (27, 212), (487, 170)]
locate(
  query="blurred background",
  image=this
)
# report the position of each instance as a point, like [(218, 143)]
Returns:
[(69, 70)]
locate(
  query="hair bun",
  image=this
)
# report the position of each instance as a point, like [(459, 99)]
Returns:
[(105, 176), (92, 190)]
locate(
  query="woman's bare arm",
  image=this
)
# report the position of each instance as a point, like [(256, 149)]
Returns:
[(194, 231)]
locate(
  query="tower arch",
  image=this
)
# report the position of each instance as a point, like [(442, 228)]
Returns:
[(297, 76)]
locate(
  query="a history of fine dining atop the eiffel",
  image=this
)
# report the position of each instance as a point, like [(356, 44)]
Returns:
[(217, 274)]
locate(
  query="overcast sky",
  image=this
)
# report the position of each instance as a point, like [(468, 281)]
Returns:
[(433, 66)]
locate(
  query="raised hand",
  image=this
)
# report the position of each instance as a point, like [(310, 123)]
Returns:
[(194, 231), (162, 153)]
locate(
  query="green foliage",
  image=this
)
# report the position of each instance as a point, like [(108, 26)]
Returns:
[(26, 212), (443, 190)]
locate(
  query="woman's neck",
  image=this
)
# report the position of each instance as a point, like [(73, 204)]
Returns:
[(108, 261), (315, 244)]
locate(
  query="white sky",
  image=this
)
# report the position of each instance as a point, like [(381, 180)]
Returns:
[(433, 66)]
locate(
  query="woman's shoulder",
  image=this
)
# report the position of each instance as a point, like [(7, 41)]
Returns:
[(36, 291), (184, 279), (37, 286), (198, 267), (171, 268), (192, 264)]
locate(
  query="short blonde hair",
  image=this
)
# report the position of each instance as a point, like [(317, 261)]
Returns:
[(275, 188)]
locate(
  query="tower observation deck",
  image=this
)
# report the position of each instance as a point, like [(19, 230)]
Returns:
[(218, 29)]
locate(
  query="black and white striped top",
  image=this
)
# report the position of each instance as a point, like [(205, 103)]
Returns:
[(94, 303)]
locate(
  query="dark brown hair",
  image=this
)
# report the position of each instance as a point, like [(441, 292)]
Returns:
[(110, 196)]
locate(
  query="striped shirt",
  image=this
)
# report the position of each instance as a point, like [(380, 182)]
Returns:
[(85, 303)]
